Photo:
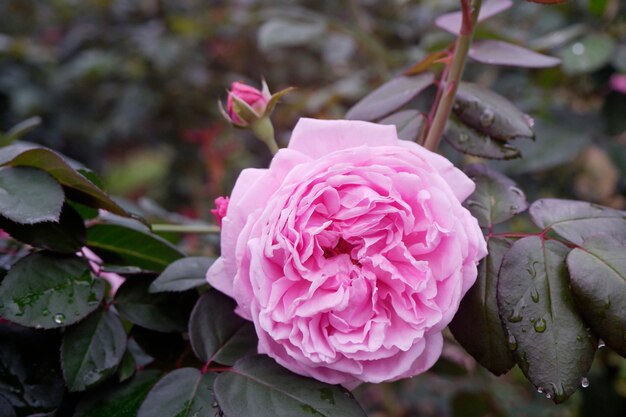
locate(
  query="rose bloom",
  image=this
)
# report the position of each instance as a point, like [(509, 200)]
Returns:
[(350, 253), (256, 99)]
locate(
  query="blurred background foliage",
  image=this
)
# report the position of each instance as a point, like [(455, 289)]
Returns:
[(129, 88)]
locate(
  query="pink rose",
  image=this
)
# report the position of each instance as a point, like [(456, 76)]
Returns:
[(219, 212), (350, 253), (254, 98)]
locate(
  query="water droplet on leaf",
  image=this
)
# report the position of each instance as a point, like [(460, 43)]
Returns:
[(463, 137), (584, 382), (59, 318), (578, 49), (534, 295), (512, 342), (487, 118), (601, 344), (540, 326)]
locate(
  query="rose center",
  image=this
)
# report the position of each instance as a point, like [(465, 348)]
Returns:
[(343, 247)]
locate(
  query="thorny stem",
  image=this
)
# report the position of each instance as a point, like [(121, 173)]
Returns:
[(452, 78)]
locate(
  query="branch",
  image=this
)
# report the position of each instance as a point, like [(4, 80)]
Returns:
[(453, 77)]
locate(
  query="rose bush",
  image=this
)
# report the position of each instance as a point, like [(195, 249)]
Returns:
[(350, 253)]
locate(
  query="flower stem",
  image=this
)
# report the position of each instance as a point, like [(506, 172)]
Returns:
[(185, 228), (470, 10)]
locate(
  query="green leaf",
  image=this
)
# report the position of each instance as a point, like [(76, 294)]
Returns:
[(79, 188), (6, 408), (578, 220), (491, 113), (258, 386), (477, 326), (185, 392), (147, 345), (127, 367), (598, 280), (163, 312), (390, 96), (30, 378), (29, 195), (19, 130), (472, 142), (496, 198), (121, 400), (45, 290), (550, 341), (122, 245), (408, 123), (92, 350), (587, 55), (68, 235), (183, 274), (217, 334)]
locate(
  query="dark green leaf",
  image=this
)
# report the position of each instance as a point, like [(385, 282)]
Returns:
[(121, 400), (147, 345), (587, 55), (551, 343), (183, 274), (80, 188), (477, 326), (472, 142), (390, 96), (92, 350), (46, 290), (408, 123), (490, 113), (257, 386), (121, 245), (185, 392), (67, 235), (217, 333), (6, 408), (29, 195), (30, 378), (496, 198), (578, 220), (164, 312), (598, 279), (127, 366)]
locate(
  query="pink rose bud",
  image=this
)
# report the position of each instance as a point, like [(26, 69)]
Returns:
[(618, 83), (255, 99), (221, 205), (350, 253)]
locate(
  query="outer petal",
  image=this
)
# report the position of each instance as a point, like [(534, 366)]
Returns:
[(317, 138), (461, 184), (217, 277)]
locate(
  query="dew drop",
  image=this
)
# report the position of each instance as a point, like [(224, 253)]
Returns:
[(214, 405), (515, 317), (59, 318), (540, 326), (601, 344), (548, 395), (45, 312), (517, 192), (584, 382), (512, 342), (540, 390), (534, 295), (578, 49), (487, 118), (463, 137)]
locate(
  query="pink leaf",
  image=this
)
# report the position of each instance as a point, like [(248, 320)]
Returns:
[(451, 22), (503, 53)]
